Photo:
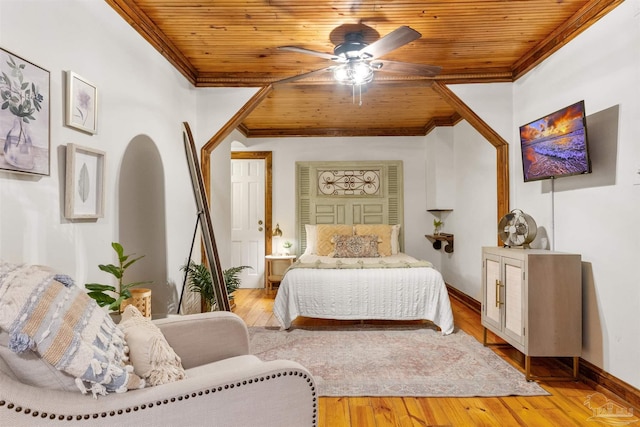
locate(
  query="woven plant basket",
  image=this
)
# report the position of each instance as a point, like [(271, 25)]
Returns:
[(141, 299)]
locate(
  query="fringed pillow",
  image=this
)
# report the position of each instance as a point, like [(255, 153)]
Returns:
[(355, 246), (47, 314), (151, 355)]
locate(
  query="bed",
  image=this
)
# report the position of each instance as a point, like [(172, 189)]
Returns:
[(384, 284)]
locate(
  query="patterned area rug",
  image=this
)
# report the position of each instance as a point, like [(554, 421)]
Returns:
[(395, 361)]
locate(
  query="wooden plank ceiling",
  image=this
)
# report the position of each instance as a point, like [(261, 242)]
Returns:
[(234, 43)]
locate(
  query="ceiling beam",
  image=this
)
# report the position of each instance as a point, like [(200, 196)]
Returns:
[(330, 132)]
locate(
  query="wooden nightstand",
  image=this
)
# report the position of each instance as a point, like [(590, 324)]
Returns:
[(275, 266)]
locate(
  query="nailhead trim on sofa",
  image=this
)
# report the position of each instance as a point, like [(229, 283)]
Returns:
[(27, 411)]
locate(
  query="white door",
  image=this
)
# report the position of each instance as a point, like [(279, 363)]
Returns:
[(247, 219)]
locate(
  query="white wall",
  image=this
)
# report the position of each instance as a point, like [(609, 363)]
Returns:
[(593, 215), (140, 94), (598, 221), (473, 220), (287, 151)]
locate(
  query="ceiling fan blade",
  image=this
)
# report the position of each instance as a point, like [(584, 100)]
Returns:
[(398, 37), (304, 75), (310, 52), (407, 68)]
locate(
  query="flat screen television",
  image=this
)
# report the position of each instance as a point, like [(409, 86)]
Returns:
[(556, 145)]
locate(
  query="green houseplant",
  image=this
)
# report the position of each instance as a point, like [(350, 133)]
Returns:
[(231, 279), (436, 226), (102, 293), (200, 281)]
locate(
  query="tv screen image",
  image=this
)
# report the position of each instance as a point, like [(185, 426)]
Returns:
[(556, 145)]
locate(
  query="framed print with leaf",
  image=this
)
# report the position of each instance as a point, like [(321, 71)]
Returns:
[(85, 178), (24, 116), (82, 103)]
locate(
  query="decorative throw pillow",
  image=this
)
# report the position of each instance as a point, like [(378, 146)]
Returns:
[(395, 239), (355, 246), (47, 314), (312, 238), (151, 355), (325, 232), (383, 231), (29, 368)]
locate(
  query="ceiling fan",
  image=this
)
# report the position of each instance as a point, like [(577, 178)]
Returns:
[(357, 61)]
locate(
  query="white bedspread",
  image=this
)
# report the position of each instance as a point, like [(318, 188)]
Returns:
[(411, 293)]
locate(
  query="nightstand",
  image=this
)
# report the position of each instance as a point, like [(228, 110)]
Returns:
[(275, 266)]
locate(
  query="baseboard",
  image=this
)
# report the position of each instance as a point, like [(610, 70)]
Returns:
[(472, 303), (589, 373), (600, 379)]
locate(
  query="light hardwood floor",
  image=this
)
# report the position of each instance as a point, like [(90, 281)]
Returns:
[(565, 407)]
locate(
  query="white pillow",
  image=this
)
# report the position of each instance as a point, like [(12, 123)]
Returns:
[(152, 357), (312, 239), (395, 244)]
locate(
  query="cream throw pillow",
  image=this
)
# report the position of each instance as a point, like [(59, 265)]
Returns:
[(395, 239), (383, 231), (151, 355), (324, 234), (312, 238)]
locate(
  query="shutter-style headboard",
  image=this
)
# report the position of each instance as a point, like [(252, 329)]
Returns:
[(358, 192)]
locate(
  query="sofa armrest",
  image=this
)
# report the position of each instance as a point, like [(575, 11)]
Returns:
[(206, 337), (242, 391)]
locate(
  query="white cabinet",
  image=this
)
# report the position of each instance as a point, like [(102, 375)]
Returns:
[(532, 299)]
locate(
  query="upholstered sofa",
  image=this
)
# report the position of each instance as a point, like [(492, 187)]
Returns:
[(224, 386)]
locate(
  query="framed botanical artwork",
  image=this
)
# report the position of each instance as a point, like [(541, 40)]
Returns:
[(24, 116), (82, 103), (85, 180)]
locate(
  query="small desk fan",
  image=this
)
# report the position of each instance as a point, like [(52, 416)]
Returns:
[(517, 229)]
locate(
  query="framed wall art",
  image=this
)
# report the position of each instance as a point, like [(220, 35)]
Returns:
[(85, 180), (82, 103), (24, 116)]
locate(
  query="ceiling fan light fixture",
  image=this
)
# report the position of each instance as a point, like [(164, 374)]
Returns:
[(353, 73)]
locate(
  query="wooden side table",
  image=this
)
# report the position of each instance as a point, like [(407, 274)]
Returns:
[(276, 265)]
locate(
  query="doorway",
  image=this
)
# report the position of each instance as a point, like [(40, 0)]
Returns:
[(251, 203)]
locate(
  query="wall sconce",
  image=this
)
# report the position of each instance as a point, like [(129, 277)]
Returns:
[(276, 234)]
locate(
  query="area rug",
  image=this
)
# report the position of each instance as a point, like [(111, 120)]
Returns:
[(396, 361)]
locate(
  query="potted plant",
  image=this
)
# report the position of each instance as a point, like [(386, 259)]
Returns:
[(436, 226), (232, 281), (200, 281), (287, 245), (102, 293)]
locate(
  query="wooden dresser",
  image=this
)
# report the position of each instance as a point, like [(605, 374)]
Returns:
[(532, 299)]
